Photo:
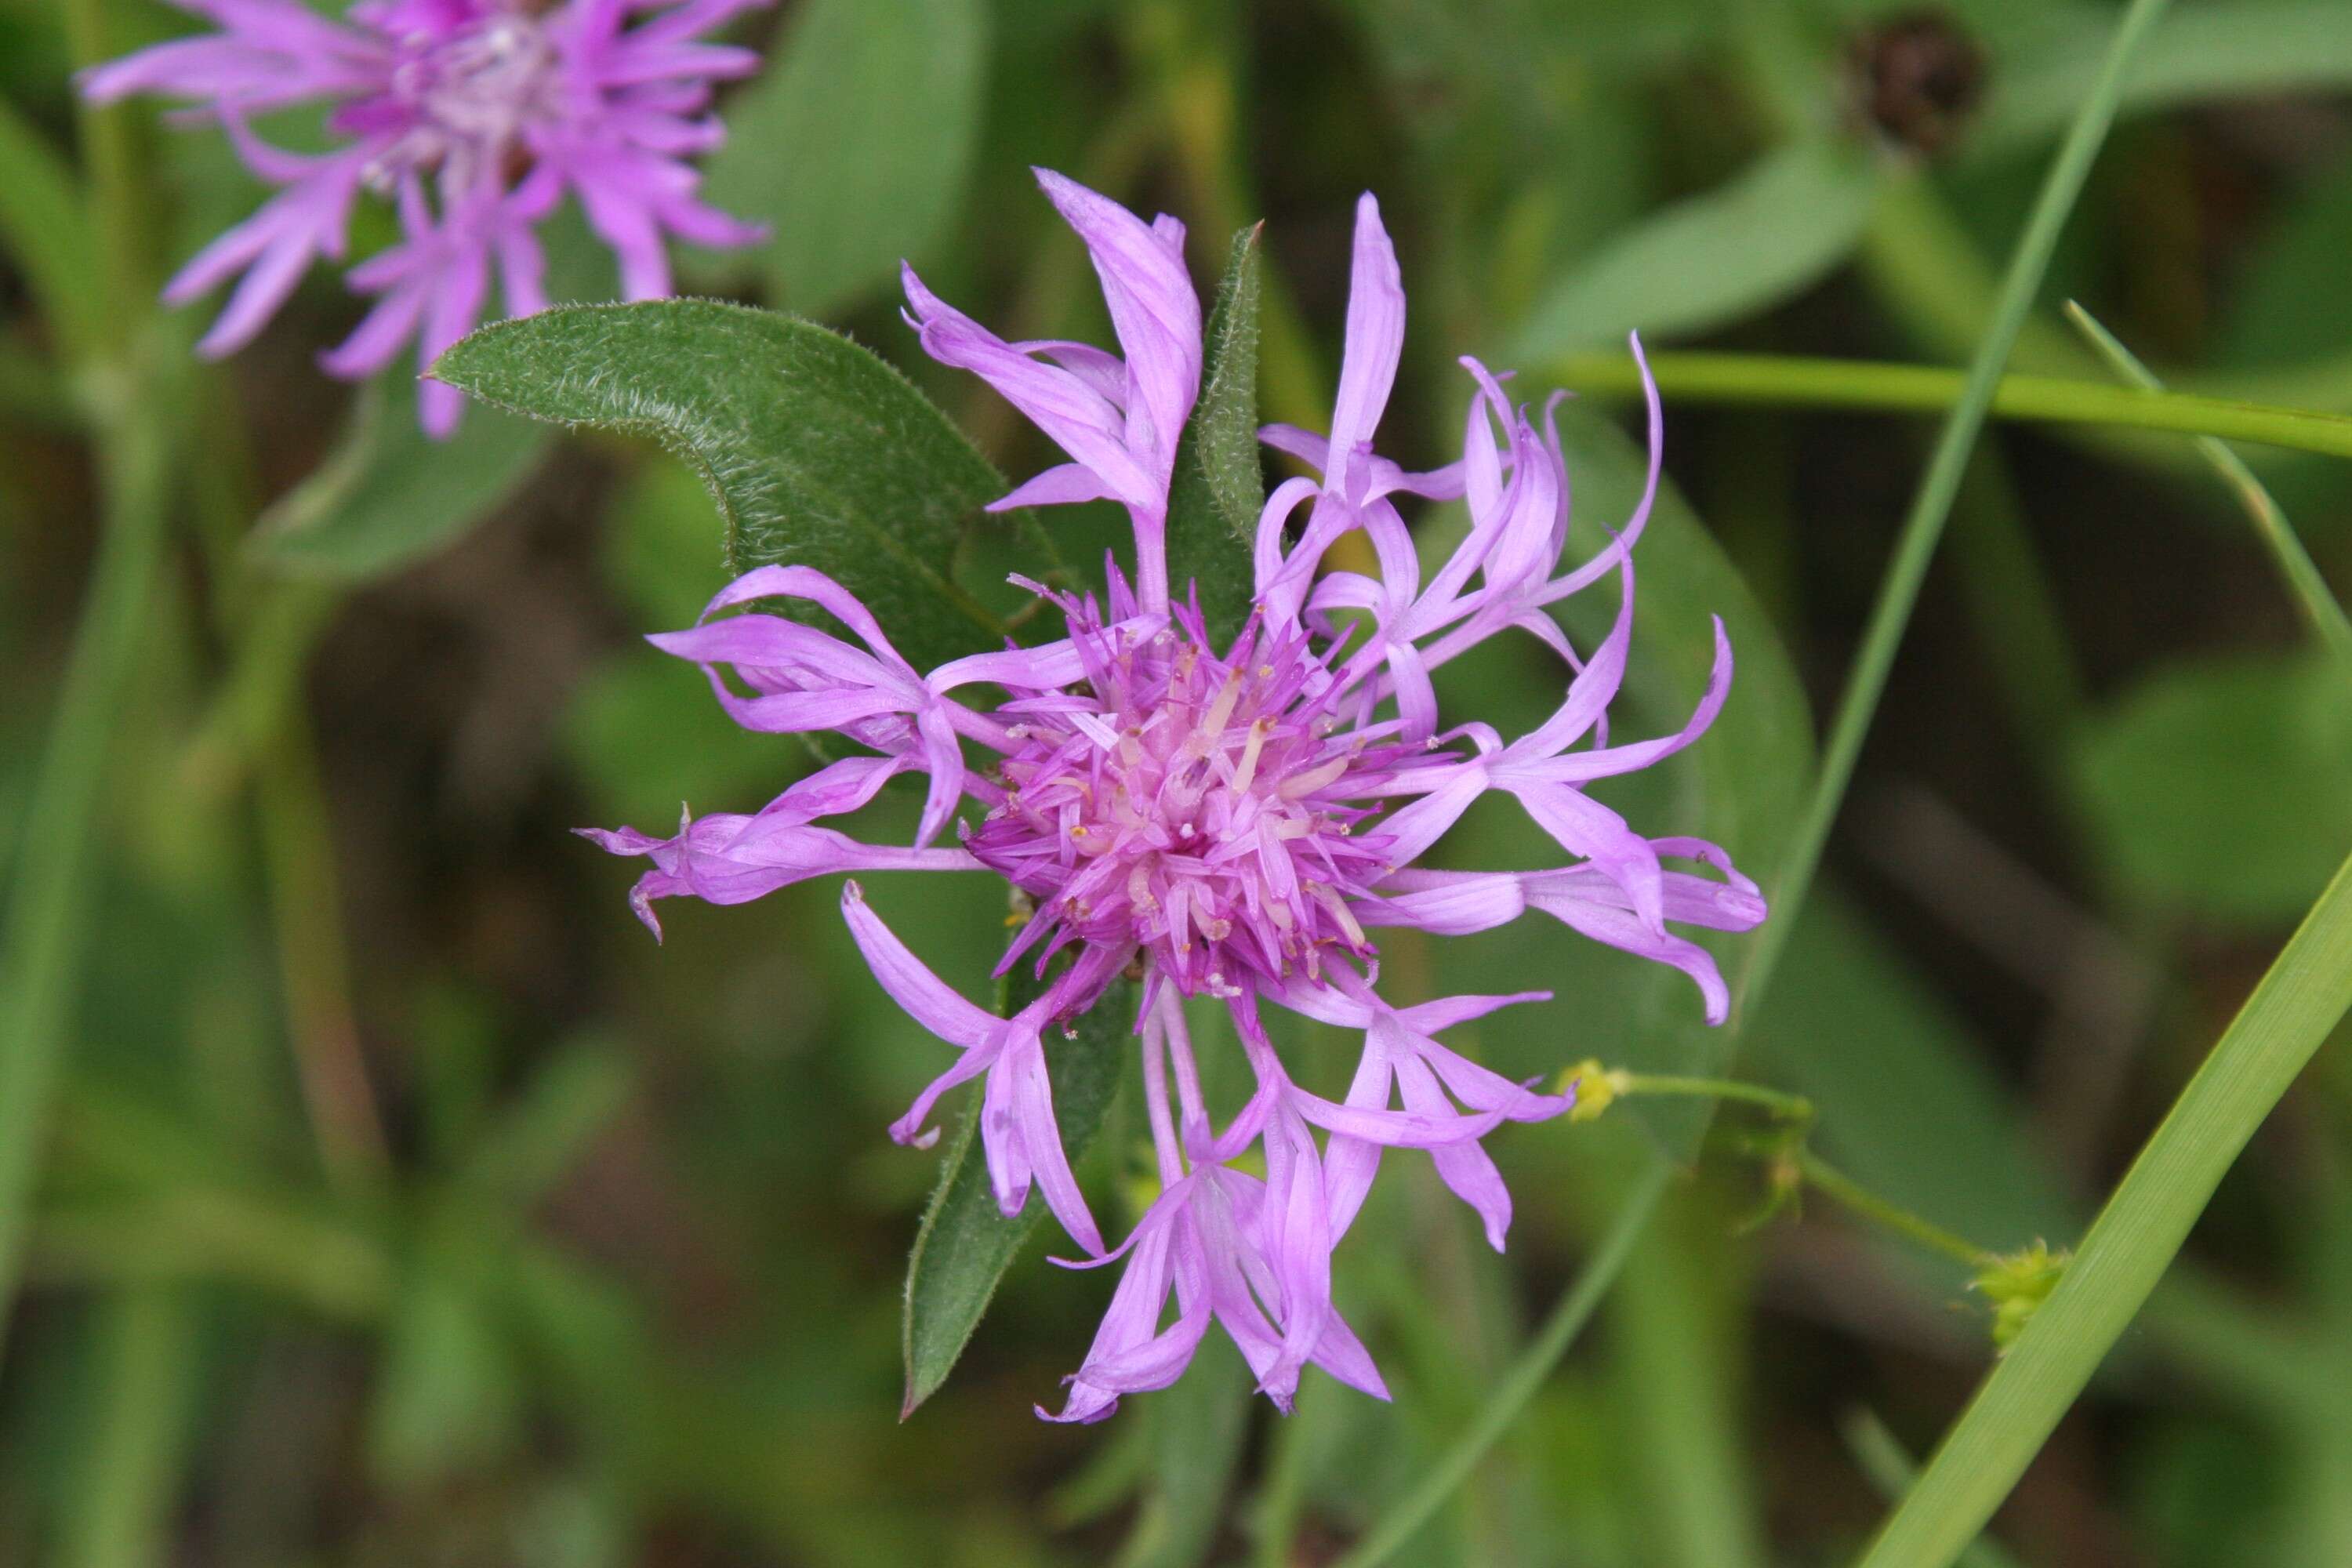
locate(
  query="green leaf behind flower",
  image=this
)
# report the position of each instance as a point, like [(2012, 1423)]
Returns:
[(1763, 237), (854, 150), (2219, 787), (816, 452), (388, 495), (966, 1243), (1219, 485), (1742, 784)]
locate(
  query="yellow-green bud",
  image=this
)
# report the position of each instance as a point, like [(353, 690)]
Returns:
[(1596, 1088), (2016, 1284)]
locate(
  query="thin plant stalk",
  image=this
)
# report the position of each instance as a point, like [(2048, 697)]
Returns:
[(1796, 381), (46, 927), (131, 1470), (1923, 526), (1527, 1374), (1898, 592), (2310, 589), (2298, 1002)]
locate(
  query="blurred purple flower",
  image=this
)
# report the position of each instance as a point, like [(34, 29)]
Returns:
[(1220, 818), (476, 117)]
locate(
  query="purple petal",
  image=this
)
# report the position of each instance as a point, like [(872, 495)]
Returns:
[(928, 999)]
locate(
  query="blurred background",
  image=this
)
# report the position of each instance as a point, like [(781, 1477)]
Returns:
[(396, 1200)]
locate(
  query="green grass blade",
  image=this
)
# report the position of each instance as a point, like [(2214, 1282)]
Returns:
[(1892, 613), (1796, 381), (46, 927), (46, 230), (1925, 526), (129, 1476), (2305, 992), (1527, 1375), (2295, 563), (1891, 1471), (1676, 1344)]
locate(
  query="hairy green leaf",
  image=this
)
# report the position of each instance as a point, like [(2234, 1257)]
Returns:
[(1760, 238), (816, 452), (966, 1243), (855, 149), (1219, 486)]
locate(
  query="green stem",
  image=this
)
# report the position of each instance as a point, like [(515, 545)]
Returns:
[(1831, 1180), (1852, 1194), (2294, 563), (299, 858), (1793, 380), (1892, 613), (1923, 526), (1792, 1107), (2303, 996), (1890, 1469), (1675, 1353), (122, 1505), (48, 914), (45, 927), (1527, 1375)]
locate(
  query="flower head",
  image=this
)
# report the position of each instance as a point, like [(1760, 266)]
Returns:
[(1241, 822), (475, 117)]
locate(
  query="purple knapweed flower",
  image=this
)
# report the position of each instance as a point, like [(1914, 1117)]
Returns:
[(1235, 822), (475, 117)]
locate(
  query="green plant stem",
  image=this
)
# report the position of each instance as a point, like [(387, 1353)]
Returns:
[(1890, 1469), (251, 704), (306, 909), (1792, 1107), (1793, 380), (1675, 1352), (1915, 547), (1835, 1183), (49, 907), (2294, 563), (121, 1513), (2303, 997), (45, 931), (1518, 1385), (1898, 594), (1819, 1172)]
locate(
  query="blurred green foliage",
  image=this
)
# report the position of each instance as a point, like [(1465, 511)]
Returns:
[(401, 1202)]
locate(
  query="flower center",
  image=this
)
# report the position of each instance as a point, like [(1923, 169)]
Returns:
[(1196, 806), (467, 97)]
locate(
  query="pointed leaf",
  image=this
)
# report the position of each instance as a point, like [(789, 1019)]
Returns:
[(816, 451), (1219, 486), (965, 1243), (1760, 238)]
